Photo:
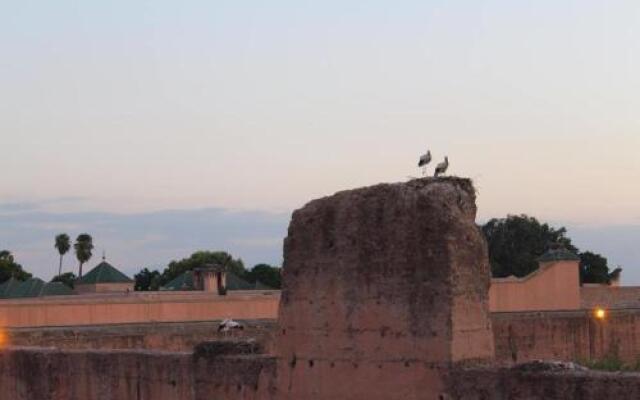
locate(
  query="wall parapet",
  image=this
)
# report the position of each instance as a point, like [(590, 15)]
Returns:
[(99, 309), (553, 286), (610, 296), (566, 335)]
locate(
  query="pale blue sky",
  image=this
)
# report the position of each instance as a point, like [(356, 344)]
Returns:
[(143, 106)]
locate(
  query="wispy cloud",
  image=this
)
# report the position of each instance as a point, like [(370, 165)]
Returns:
[(133, 241), (18, 207)]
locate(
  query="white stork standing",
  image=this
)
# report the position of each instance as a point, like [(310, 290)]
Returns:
[(424, 160), (228, 326), (442, 167)]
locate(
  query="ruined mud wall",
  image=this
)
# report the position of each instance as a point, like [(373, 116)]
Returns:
[(610, 296), (213, 373), (46, 374), (182, 336), (383, 288), (518, 337), (523, 382), (569, 336)]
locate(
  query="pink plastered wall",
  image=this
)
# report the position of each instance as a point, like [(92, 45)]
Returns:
[(101, 309), (554, 286)]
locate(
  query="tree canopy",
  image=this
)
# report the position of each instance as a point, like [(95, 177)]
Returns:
[(63, 244), (83, 248), (516, 242), (200, 259), (147, 280), (68, 278), (266, 274), (9, 268), (594, 269)]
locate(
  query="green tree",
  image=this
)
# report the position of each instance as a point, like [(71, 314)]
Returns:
[(9, 268), (147, 280), (68, 278), (83, 248), (63, 244), (516, 242), (267, 274), (594, 268), (200, 259)]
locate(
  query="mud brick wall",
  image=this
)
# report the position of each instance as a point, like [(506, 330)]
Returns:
[(49, 374), (383, 287), (182, 336), (514, 383), (568, 336)]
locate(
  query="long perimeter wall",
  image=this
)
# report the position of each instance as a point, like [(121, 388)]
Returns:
[(46, 374), (102, 309)]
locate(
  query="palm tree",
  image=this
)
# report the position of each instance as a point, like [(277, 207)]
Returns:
[(63, 244), (83, 248)]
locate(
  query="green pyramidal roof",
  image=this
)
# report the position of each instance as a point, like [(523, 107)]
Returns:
[(185, 282), (261, 286), (181, 282), (8, 286), (560, 254), (32, 287), (56, 289), (29, 288), (104, 273), (234, 282)]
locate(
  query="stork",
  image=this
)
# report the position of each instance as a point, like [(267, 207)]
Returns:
[(424, 160), (442, 167), (228, 326)]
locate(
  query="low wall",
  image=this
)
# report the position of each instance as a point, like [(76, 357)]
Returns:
[(555, 383), (610, 296), (553, 286), (176, 336), (99, 309), (45, 374), (518, 337), (569, 336)]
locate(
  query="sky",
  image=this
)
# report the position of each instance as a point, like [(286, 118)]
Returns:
[(205, 123)]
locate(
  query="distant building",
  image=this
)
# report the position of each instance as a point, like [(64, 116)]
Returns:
[(104, 278), (33, 287), (194, 280)]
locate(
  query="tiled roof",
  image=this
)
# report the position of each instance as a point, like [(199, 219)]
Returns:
[(104, 273), (29, 288), (56, 289), (8, 286), (185, 282), (236, 283), (558, 255), (261, 286), (33, 287), (181, 282)]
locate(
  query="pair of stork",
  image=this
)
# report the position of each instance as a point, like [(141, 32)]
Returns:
[(426, 159)]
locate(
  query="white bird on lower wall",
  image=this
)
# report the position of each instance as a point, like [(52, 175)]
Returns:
[(442, 167), (229, 325)]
